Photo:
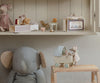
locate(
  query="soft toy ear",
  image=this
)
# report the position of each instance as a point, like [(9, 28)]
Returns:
[(9, 6), (6, 59), (42, 60)]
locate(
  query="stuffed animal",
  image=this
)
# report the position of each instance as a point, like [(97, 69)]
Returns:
[(24, 64), (5, 20), (24, 20), (75, 55), (46, 25)]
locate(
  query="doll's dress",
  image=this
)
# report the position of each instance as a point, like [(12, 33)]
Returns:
[(4, 21)]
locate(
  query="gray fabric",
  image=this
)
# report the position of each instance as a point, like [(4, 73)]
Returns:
[(25, 60), (37, 77), (40, 76), (11, 77), (31, 78)]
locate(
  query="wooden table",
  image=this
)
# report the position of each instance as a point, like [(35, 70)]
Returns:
[(79, 68)]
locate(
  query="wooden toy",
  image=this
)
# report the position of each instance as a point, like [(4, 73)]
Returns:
[(65, 58)]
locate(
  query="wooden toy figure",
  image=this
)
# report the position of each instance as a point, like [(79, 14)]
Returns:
[(75, 55), (5, 20)]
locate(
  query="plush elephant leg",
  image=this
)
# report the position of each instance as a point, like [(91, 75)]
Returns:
[(11, 77), (40, 76)]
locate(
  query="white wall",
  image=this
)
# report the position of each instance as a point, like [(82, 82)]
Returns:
[(89, 51)]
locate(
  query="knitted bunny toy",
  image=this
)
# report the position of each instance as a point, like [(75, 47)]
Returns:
[(5, 20), (75, 55), (24, 64)]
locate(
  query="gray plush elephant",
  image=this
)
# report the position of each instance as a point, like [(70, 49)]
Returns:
[(25, 65)]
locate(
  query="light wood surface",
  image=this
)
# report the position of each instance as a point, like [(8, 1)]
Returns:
[(79, 68), (92, 76), (98, 77)]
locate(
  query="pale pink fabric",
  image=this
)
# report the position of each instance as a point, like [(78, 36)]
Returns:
[(4, 17), (4, 21)]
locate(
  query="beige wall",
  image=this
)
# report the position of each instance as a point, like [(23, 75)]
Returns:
[(89, 51), (88, 45), (46, 10)]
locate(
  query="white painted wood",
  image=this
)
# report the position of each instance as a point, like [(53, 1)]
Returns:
[(86, 12), (64, 11), (50, 33), (41, 10), (18, 8), (30, 9), (53, 9), (97, 12), (76, 7), (92, 18), (11, 12)]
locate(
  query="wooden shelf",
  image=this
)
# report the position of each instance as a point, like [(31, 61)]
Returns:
[(50, 33)]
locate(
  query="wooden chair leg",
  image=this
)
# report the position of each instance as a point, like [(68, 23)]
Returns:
[(98, 77), (92, 77), (53, 77)]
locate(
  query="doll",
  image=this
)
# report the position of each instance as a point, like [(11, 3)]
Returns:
[(5, 20)]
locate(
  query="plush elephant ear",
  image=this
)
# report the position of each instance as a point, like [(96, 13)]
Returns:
[(6, 59), (42, 60)]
